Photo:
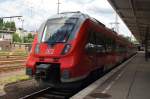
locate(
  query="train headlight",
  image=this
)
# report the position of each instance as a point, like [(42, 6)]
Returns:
[(65, 74), (66, 49), (37, 49)]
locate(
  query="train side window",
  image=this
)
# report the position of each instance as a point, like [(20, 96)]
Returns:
[(100, 43), (114, 46), (91, 43), (121, 49), (117, 48), (109, 44)]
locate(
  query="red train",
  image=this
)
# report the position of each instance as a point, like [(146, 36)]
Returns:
[(71, 46)]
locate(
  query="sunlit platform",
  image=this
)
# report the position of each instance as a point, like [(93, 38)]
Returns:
[(132, 81)]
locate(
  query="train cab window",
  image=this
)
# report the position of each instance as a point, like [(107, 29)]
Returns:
[(40, 31), (58, 30)]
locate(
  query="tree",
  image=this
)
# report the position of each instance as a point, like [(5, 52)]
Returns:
[(29, 38), (7, 25), (12, 26), (1, 24), (16, 38)]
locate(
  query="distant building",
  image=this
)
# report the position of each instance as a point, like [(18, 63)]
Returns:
[(24, 33), (5, 39), (6, 36)]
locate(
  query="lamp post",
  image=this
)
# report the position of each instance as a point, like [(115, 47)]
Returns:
[(58, 6)]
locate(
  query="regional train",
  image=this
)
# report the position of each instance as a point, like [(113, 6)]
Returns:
[(71, 46)]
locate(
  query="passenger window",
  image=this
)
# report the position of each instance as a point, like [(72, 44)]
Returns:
[(100, 43), (114, 45), (91, 43), (108, 42)]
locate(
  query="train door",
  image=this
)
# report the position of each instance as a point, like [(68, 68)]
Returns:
[(111, 55), (100, 50), (91, 49)]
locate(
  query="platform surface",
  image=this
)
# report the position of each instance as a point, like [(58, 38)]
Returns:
[(132, 82)]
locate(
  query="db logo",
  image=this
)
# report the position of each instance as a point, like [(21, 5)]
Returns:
[(50, 51)]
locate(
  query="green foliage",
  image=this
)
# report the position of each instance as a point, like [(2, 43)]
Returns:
[(12, 26), (7, 25), (16, 38), (1, 24), (28, 39)]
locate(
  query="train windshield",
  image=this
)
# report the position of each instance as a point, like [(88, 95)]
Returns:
[(58, 30)]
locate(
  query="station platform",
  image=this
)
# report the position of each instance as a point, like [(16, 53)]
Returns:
[(131, 81)]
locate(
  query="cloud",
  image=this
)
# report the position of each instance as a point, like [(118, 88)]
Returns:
[(2, 1), (80, 1), (34, 12), (99, 10)]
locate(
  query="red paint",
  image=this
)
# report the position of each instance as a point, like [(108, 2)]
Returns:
[(77, 61)]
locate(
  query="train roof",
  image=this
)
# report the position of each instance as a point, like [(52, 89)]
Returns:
[(77, 14), (83, 17)]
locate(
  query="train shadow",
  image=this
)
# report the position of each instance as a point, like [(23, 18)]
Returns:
[(20, 89)]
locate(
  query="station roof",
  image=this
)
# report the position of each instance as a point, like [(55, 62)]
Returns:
[(135, 14)]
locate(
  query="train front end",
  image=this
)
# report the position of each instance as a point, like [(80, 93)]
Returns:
[(51, 58)]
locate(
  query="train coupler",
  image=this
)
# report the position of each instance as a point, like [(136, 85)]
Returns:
[(42, 71)]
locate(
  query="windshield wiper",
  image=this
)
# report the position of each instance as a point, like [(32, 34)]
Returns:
[(51, 43)]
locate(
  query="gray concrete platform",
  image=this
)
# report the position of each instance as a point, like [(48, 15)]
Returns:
[(133, 82), (130, 82)]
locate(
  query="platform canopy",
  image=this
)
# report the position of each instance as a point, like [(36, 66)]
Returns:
[(135, 14)]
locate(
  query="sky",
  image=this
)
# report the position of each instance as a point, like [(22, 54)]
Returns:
[(34, 12)]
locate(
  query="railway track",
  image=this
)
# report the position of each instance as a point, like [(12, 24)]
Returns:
[(12, 58), (10, 68), (50, 93), (11, 63), (8, 65)]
